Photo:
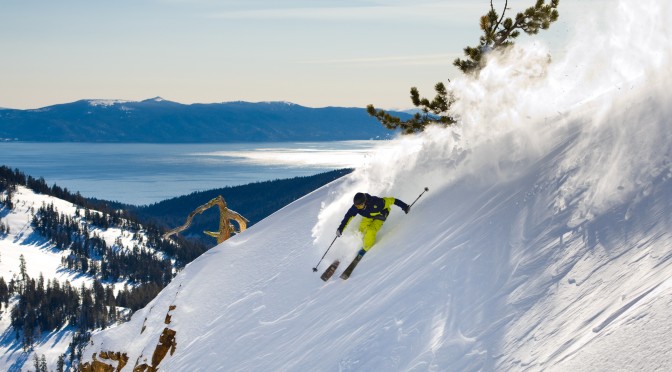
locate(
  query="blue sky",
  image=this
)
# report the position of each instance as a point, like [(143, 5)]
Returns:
[(315, 53)]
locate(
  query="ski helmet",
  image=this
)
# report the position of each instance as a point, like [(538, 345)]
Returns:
[(359, 199)]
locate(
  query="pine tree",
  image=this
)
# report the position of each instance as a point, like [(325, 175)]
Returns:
[(60, 365), (43, 364), (86, 317), (36, 362), (433, 112), (498, 34), (22, 268), (4, 293)]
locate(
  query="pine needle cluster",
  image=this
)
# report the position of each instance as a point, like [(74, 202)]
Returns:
[(498, 33)]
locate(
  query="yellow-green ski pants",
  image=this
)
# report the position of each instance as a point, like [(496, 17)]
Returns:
[(369, 227)]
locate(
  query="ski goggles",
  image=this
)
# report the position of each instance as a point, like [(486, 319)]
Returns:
[(360, 206)]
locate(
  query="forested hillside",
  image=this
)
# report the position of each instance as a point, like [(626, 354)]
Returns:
[(107, 260), (69, 266)]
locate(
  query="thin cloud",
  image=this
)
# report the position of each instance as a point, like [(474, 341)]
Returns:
[(427, 59), (423, 12)]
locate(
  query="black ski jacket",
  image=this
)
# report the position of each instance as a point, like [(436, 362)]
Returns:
[(376, 208)]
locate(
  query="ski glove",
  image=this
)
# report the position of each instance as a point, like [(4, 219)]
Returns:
[(338, 233), (407, 209)]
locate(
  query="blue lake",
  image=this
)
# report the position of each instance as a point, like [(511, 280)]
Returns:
[(147, 173)]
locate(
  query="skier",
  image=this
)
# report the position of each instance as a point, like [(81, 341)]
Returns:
[(374, 211)]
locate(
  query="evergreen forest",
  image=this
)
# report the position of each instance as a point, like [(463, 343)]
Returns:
[(37, 305)]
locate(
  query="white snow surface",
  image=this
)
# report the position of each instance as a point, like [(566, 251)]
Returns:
[(544, 242), (106, 102)]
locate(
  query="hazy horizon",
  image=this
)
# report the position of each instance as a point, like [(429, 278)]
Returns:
[(327, 53)]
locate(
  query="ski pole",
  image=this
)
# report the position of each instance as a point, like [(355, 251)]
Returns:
[(325, 253), (416, 199)]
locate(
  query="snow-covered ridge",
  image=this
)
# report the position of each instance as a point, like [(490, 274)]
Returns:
[(155, 99), (286, 103), (106, 102), (543, 243), (42, 258), (113, 102)]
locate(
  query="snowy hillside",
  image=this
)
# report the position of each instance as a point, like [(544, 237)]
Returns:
[(545, 241), (42, 258)]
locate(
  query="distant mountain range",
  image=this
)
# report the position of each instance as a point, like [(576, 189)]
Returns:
[(160, 121)]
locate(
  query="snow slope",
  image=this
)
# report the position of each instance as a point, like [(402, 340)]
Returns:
[(42, 258), (544, 241)]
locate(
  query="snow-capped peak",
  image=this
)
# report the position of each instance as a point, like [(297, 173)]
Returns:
[(106, 102), (155, 99)]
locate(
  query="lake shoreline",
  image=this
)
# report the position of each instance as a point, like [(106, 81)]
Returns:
[(141, 173)]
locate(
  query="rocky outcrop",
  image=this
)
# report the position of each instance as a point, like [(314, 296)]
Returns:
[(109, 361), (166, 343)]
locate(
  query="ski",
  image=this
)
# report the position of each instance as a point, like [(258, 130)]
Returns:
[(330, 270), (353, 264)]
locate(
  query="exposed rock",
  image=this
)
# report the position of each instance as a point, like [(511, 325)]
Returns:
[(99, 366), (167, 342)]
